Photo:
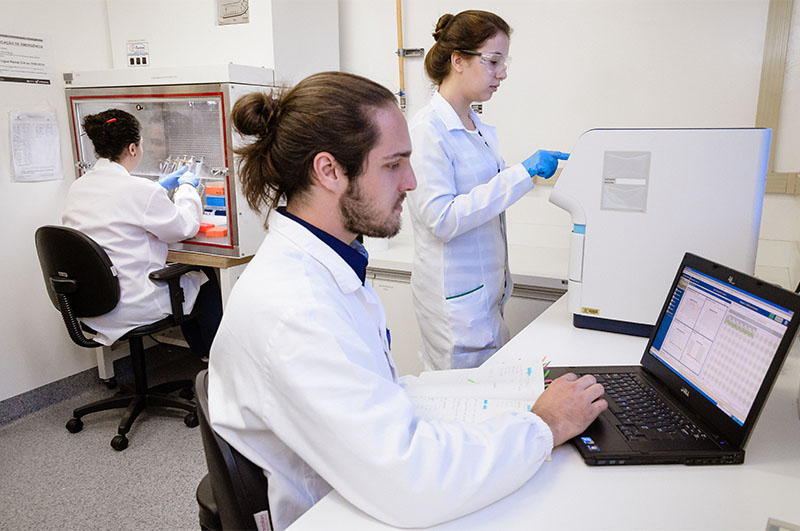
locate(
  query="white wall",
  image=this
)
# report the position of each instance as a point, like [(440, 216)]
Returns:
[(787, 154), (185, 32), (778, 258), (577, 64), (581, 64), (35, 347), (293, 37), (306, 36), (91, 35)]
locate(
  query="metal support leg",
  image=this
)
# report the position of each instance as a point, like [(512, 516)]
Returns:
[(227, 278), (106, 356), (105, 364)]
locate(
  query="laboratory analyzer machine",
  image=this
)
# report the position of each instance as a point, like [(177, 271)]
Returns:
[(640, 199)]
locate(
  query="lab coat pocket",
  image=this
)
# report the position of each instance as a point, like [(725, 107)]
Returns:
[(470, 320)]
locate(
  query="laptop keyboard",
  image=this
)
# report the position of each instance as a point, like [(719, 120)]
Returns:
[(641, 413)]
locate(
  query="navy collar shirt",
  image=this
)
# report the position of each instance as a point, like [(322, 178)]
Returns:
[(354, 254)]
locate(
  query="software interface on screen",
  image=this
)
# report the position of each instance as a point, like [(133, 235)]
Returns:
[(720, 339)]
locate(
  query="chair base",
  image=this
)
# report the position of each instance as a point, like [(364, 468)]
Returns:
[(135, 403)]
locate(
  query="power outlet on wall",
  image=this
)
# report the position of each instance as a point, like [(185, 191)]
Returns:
[(138, 53)]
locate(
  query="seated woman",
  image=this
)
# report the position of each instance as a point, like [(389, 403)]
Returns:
[(133, 220)]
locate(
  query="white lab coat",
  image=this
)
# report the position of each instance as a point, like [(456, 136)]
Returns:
[(133, 219), (460, 278), (302, 383)]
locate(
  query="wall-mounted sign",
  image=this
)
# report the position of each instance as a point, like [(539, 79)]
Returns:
[(233, 12), (24, 60)]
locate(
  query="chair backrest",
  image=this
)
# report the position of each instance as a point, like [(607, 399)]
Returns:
[(239, 486), (68, 255)]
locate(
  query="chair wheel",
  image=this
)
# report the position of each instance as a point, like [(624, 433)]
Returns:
[(191, 420), (187, 393), (74, 425), (119, 443), (111, 383)]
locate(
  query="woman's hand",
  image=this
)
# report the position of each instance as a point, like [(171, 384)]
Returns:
[(544, 163), (170, 181), (189, 178)]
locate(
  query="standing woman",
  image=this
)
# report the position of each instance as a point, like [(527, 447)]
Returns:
[(133, 220), (460, 279)]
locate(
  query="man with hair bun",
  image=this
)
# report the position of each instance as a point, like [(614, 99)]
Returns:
[(301, 378)]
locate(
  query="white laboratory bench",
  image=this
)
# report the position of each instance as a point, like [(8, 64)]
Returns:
[(538, 255), (538, 243), (566, 494), (539, 233)]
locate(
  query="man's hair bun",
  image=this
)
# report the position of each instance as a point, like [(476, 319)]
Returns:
[(256, 113)]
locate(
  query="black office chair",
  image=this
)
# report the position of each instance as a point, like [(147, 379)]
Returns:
[(238, 488), (82, 282)]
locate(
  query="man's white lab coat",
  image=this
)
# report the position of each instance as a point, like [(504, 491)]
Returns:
[(460, 278), (133, 219), (302, 383)]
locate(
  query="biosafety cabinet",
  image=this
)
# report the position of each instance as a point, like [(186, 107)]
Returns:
[(640, 199), (185, 120)]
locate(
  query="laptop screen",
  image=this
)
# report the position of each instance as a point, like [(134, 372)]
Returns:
[(720, 340)]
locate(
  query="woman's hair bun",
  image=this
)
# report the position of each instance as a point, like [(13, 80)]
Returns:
[(93, 125), (444, 20), (256, 113)]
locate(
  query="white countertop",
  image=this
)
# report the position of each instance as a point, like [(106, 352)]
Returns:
[(567, 494), (538, 243), (539, 232)]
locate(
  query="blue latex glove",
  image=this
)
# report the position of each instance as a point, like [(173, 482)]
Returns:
[(170, 181), (188, 178), (544, 163)]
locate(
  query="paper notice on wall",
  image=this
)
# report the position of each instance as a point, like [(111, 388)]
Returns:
[(23, 59), (35, 146)]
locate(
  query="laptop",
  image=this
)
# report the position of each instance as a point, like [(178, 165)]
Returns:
[(710, 363)]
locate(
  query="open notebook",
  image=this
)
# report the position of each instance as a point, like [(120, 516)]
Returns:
[(474, 395)]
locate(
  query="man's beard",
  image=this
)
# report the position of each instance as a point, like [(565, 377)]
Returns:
[(361, 217)]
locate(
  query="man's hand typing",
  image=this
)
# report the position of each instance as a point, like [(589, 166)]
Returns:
[(569, 405)]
